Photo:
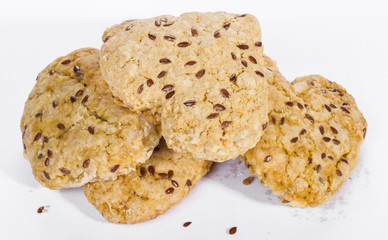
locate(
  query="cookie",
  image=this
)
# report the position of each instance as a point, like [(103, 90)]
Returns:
[(311, 141), (163, 181), (74, 133), (201, 75)]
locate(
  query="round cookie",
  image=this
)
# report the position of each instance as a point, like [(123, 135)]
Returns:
[(311, 141), (163, 181), (201, 75), (74, 133)]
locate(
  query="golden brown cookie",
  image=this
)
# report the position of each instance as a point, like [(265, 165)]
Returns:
[(311, 141), (200, 74), (163, 181), (74, 133)]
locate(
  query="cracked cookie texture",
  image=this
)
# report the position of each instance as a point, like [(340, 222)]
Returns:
[(201, 75), (158, 184), (311, 141), (74, 133)]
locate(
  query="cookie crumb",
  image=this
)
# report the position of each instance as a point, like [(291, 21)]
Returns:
[(248, 180)]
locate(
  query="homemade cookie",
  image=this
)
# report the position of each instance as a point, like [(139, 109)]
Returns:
[(163, 181), (311, 141), (201, 75), (74, 133)]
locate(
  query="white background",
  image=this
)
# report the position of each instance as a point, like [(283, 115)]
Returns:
[(345, 41)]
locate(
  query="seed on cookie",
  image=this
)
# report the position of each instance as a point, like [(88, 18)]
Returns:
[(267, 158), (61, 126), (129, 27), (151, 170), (38, 115), (226, 26), (332, 105), (225, 93), (65, 171), (323, 155), (46, 175), (334, 130), (170, 190), (321, 180), (336, 142), (302, 132), (168, 88), (79, 93), (51, 72), (140, 89), (252, 59), (170, 173), (319, 168), (225, 124), (338, 172), (106, 39), (157, 23), (66, 62), (273, 119), (76, 68), (219, 107), (194, 32), (114, 168), (326, 139), (85, 99), (170, 94), (183, 44), (344, 109), (290, 104), (55, 104), (49, 153), (244, 63), (86, 163), (200, 73), (328, 108), (151, 36), (91, 129), (164, 60), (331, 158), (163, 20), (294, 140), (47, 162), (163, 175), (282, 121), (189, 103), (217, 34), (300, 106), (243, 46), (169, 37), (162, 74), (258, 44), (259, 73), (190, 63), (233, 56), (150, 82), (213, 115), (309, 117), (188, 183), (143, 171), (72, 99), (345, 161), (174, 183), (45, 139), (233, 77), (265, 125), (321, 129), (40, 156), (364, 132)]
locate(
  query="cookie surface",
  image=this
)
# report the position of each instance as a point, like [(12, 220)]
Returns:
[(201, 75), (163, 181), (311, 141), (74, 133)]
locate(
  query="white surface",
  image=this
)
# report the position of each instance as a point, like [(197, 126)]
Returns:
[(345, 41)]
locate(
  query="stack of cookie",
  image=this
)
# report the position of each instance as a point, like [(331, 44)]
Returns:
[(140, 121)]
